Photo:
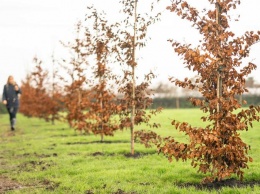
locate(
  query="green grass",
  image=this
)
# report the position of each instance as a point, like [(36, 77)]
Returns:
[(47, 158)]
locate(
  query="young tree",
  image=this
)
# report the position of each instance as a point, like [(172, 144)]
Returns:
[(37, 100), (56, 105), (217, 148), (28, 98), (130, 39), (76, 94), (103, 106)]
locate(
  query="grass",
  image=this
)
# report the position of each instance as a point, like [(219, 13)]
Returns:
[(46, 158)]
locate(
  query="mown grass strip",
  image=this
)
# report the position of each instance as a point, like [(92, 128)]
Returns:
[(45, 158)]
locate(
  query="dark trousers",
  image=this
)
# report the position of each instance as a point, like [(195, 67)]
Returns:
[(12, 115)]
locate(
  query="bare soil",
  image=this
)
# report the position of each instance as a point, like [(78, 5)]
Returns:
[(7, 184), (217, 185)]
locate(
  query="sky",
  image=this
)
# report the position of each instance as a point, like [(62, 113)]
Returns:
[(35, 27)]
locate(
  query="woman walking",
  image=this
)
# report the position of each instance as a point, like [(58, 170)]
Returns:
[(10, 98)]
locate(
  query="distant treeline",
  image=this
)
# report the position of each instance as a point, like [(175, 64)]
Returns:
[(181, 102)]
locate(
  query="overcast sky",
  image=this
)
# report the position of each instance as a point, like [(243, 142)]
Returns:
[(35, 27)]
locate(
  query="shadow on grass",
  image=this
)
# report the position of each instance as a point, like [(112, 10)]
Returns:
[(62, 135), (139, 154), (96, 142), (29, 155), (127, 155), (217, 185)]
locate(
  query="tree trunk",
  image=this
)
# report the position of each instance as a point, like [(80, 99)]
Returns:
[(133, 83), (177, 102), (219, 78)]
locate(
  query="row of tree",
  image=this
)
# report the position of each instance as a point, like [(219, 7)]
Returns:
[(87, 93), (82, 84)]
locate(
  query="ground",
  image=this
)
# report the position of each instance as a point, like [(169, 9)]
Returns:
[(7, 184)]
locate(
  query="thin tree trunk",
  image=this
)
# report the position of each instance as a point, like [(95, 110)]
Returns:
[(133, 83), (53, 88), (101, 106), (219, 78), (177, 102)]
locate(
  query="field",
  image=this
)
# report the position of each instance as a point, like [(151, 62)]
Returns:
[(43, 158)]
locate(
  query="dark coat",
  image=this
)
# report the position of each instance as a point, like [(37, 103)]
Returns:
[(11, 96)]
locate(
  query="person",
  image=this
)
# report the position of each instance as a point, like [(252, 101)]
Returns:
[(10, 98)]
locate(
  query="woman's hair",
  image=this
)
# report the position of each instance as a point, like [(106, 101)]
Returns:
[(10, 80)]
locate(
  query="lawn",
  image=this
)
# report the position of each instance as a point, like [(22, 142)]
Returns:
[(43, 158)]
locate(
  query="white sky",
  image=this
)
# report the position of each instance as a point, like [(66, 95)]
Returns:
[(35, 27)]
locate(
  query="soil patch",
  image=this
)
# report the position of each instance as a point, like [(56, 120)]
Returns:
[(35, 165), (217, 185), (49, 185), (89, 192), (7, 184), (38, 155), (119, 191), (97, 154), (73, 154), (60, 135), (99, 142), (137, 155), (127, 155)]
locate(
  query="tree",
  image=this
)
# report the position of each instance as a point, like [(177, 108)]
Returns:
[(36, 100), (28, 98), (56, 104), (75, 82), (100, 117), (130, 39), (217, 148)]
